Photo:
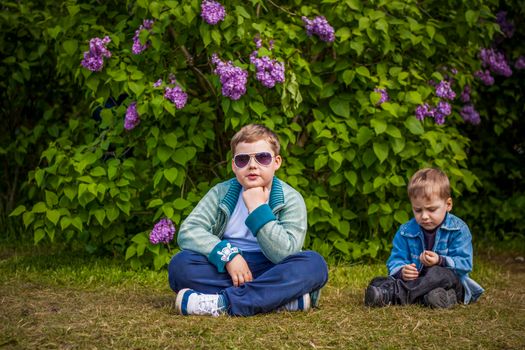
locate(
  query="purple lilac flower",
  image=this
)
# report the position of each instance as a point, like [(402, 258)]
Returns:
[(320, 27), (444, 108), (176, 95), (137, 46), (507, 27), (454, 71), (270, 45), (94, 58), (495, 61), (172, 79), (485, 77), (212, 12), (132, 117), (444, 90), (520, 63), (268, 71), (423, 111), (470, 115), (465, 94), (233, 79), (258, 42), (384, 96), (162, 232), (157, 83)]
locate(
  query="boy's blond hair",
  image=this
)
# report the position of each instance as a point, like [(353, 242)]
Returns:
[(253, 133), (427, 182)]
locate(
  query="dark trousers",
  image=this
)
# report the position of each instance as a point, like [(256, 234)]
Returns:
[(273, 285), (412, 292)]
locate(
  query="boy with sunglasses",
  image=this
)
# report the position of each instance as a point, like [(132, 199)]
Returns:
[(241, 245)]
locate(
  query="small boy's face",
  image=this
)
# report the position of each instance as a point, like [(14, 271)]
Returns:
[(255, 174), (430, 212)]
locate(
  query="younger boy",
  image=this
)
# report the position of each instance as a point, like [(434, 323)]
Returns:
[(241, 245), (431, 254)]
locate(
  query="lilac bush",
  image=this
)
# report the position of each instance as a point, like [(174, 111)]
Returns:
[(520, 63), (138, 48), (233, 79), (465, 94), (319, 26), (212, 12), (94, 58), (162, 232), (485, 77), (132, 118)]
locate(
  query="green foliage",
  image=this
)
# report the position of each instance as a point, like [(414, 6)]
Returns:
[(103, 187)]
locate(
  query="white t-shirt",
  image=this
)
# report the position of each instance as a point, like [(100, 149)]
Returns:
[(237, 233)]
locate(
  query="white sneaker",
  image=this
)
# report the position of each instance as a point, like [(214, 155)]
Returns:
[(304, 303), (190, 302)]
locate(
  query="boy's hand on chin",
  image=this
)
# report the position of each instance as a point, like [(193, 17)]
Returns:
[(254, 197)]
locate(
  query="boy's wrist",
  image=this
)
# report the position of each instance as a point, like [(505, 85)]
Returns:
[(223, 253)]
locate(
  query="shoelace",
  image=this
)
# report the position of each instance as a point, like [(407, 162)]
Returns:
[(208, 305)]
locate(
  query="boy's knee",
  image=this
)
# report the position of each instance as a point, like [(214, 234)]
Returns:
[(177, 270), (316, 265)]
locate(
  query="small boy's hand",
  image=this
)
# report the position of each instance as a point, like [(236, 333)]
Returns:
[(429, 258), (239, 270), (409, 272), (255, 196)]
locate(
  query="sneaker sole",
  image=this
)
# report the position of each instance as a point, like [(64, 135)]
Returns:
[(179, 300)]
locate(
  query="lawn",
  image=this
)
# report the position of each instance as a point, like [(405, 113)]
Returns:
[(66, 301)]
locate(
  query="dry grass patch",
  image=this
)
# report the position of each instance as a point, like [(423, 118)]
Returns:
[(60, 302)]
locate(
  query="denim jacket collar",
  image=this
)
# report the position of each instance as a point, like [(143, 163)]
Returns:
[(412, 228)]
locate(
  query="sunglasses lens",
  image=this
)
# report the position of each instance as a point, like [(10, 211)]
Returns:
[(241, 160), (264, 158)]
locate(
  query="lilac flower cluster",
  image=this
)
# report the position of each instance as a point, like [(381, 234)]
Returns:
[(268, 71), (162, 232), (176, 95), (520, 63), (465, 94), (233, 79), (470, 115), (137, 46), (320, 27), (495, 61), (507, 27), (485, 77), (443, 90), (132, 117), (157, 83), (94, 58), (384, 96), (212, 12)]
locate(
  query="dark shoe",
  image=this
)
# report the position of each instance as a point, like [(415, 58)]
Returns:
[(377, 296), (440, 298)]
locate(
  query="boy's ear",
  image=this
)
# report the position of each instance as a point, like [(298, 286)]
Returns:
[(449, 204), (278, 161)]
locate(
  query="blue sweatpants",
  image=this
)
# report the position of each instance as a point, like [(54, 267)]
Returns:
[(273, 285)]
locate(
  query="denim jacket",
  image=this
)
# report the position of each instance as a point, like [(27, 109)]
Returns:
[(453, 243), (280, 226)]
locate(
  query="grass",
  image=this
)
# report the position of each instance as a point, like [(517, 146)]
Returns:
[(64, 301)]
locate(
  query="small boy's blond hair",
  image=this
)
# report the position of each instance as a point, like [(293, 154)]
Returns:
[(253, 133), (427, 182)]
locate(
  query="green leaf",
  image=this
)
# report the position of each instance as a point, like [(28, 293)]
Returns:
[(155, 203), (363, 71), (53, 215), (414, 126), (70, 46), (130, 251), (379, 125), (351, 176), (98, 171), (18, 210), (39, 207), (77, 222), (414, 97), (100, 214), (340, 107), (472, 17), (364, 134), (39, 235), (137, 88), (170, 140), (181, 203), (397, 180), (401, 216), (164, 153), (381, 150), (171, 174), (258, 108)]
